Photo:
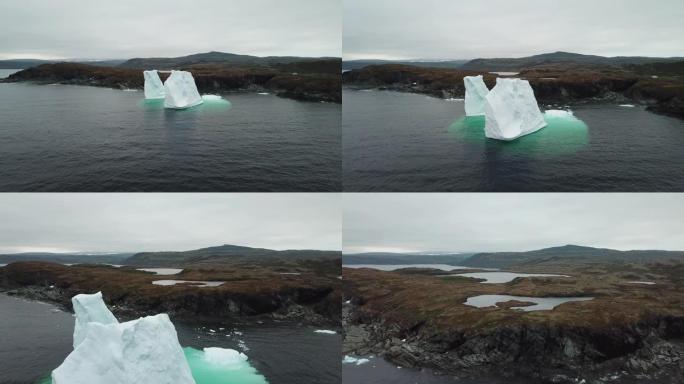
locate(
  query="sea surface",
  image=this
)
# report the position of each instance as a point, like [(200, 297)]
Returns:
[(76, 138), (36, 337), (396, 141), (380, 371)]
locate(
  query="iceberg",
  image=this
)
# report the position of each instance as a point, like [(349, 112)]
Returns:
[(181, 91), (475, 94), (145, 350), (511, 110), (154, 88), (89, 309)]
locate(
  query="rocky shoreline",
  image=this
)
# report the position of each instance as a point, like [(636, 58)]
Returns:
[(552, 85), (641, 353), (315, 304), (311, 87)]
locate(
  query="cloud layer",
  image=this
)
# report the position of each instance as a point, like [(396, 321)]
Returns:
[(154, 222), (464, 222), (510, 28), (153, 28)]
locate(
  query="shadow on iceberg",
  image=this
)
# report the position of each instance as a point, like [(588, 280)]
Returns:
[(564, 133), (144, 350)]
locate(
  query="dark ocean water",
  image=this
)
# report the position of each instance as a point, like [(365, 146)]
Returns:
[(36, 337), (380, 371), (72, 138), (407, 142)]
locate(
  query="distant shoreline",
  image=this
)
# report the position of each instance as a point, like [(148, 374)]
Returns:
[(552, 85)]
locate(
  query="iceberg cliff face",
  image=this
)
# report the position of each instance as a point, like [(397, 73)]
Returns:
[(154, 88), (181, 91), (145, 350), (476, 91), (511, 110)]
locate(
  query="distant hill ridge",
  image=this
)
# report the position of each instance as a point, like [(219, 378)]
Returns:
[(226, 253), (384, 258), (571, 254), (517, 64), (214, 58), (217, 58)]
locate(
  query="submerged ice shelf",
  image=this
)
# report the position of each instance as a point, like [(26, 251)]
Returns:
[(144, 350)]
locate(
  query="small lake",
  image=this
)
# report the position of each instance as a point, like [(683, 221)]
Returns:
[(190, 283), (36, 337), (392, 267), (162, 271), (404, 142), (501, 277), (76, 138), (541, 303)]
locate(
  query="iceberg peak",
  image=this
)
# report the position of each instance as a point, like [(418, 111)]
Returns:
[(181, 91), (511, 110), (145, 350), (475, 92), (154, 88)]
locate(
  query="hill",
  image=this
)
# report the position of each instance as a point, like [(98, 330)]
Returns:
[(225, 60), (572, 254), (358, 64), (228, 254), (29, 63), (385, 258), (517, 64), (67, 258)]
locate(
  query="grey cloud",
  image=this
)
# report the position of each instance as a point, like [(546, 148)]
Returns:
[(153, 28), (511, 28), (153, 222), (464, 222)]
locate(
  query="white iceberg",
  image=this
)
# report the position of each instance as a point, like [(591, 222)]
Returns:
[(511, 110), (145, 350), (154, 88), (354, 360), (89, 309), (181, 91), (325, 331), (475, 94)]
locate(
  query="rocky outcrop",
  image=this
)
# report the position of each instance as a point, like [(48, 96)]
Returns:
[(132, 294), (651, 351)]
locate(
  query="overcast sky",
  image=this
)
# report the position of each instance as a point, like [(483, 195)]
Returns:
[(156, 222), (126, 28), (439, 29), (463, 222)]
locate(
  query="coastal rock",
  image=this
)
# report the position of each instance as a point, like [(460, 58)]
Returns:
[(475, 93), (511, 110)]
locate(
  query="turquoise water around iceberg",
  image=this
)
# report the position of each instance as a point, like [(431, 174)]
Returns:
[(205, 372), (563, 134), (211, 103)]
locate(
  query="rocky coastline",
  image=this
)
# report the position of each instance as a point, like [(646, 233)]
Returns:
[(632, 335), (131, 295), (552, 84), (310, 86), (639, 353)]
